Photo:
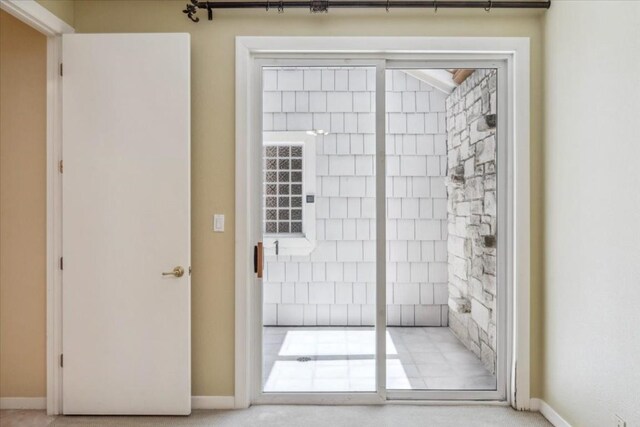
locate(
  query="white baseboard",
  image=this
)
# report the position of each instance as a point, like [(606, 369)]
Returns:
[(212, 402), (549, 413), (23, 403), (197, 402)]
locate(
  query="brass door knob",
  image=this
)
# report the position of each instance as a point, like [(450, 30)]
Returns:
[(176, 272)]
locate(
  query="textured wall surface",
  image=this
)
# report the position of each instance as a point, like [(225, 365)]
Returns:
[(23, 60), (63, 9), (471, 186), (335, 284), (213, 147), (592, 214)]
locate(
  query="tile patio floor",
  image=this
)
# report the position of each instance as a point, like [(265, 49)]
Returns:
[(342, 359)]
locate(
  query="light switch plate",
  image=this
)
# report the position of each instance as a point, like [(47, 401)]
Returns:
[(218, 223)]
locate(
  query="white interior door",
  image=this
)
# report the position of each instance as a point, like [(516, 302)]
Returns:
[(126, 221)]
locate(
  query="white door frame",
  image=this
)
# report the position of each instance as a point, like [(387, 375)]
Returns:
[(381, 394), (515, 53), (39, 18)]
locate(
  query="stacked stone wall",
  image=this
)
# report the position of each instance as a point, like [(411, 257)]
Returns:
[(471, 187)]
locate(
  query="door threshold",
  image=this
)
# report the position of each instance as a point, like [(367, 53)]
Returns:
[(335, 399), (356, 398), (394, 397), (430, 402)]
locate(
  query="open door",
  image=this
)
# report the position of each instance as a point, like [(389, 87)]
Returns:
[(126, 224)]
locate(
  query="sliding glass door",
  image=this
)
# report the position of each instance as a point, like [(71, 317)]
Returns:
[(380, 221), (319, 229), (442, 299)]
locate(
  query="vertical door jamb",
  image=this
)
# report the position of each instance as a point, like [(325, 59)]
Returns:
[(54, 225), (255, 206)]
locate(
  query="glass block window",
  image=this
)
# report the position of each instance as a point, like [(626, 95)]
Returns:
[(283, 189)]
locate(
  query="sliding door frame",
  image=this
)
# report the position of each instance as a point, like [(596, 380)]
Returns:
[(504, 246), (376, 396), (252, 53)]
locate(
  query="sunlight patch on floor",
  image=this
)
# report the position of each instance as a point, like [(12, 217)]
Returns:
[(340, 359)]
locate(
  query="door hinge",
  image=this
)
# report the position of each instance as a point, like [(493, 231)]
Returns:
[(60, 69), (61, 360), (60, 166), (61, 264)]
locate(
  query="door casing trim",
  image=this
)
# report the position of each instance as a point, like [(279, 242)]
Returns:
[(515, 52), (42, 20)]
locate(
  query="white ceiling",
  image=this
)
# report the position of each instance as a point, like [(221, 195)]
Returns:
[(438, 78)]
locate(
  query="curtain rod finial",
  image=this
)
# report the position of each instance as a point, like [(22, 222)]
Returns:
[(191, 10)]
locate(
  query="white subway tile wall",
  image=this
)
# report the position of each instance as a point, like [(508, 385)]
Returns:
[(335, 284)]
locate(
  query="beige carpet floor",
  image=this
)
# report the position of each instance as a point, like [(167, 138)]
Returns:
[(302, 416)]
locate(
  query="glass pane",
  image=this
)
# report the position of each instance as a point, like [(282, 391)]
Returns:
[(283, 151), (283, 164), (296, 151), (272, 227), (271, 151), (296, 164), (284, 177), (283, 227), (319, 305), (283, 189), (441, 225), (296, 202)]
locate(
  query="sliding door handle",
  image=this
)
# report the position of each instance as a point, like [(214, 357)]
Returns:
[(255, 259), (258, 260)]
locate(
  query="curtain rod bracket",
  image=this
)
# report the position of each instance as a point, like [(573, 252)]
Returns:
[(319, 6)]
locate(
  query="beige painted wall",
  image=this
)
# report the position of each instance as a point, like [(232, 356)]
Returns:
[(213, 140), (213, 136), (63, 9), (22, 209), (592, 214)]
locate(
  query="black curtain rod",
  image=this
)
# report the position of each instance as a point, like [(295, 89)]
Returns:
[(320, 6)]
